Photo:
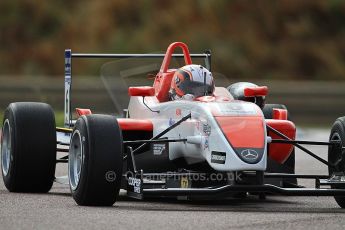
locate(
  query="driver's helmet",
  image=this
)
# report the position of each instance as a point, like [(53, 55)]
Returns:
[(191, 81)]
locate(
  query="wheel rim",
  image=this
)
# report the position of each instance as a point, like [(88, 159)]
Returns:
[(75, 160), (6, 147)]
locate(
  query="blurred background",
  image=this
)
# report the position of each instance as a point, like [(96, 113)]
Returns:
[(296, 47)]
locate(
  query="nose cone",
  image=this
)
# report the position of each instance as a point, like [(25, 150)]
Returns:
[(246, 135)]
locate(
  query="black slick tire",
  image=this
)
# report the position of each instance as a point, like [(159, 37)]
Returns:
[(98, 141), (336, 155), (28, 147)]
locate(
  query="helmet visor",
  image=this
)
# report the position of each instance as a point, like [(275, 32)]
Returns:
[(197, 89)]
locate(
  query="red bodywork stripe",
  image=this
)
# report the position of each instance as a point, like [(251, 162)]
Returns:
[(243, 132), (135, 124)]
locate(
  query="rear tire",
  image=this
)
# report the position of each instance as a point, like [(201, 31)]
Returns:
[(335, 153), (28, 147), (96, 160), (289, 164)]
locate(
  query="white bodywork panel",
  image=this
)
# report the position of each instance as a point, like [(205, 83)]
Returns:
[(202, 130)]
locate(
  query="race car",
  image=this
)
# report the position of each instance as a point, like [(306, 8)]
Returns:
[(223, 142)]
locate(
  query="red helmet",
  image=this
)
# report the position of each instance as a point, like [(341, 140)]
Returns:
[(191, 81)]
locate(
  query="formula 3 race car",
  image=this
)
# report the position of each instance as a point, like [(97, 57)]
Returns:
[(215, 146)]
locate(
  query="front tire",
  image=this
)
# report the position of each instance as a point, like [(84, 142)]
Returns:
[(28, 147), (95, 160), (336, 155)]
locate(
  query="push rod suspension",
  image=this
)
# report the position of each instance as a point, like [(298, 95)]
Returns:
[(281, 141), (162, 133), (300, 147), (154, 141)]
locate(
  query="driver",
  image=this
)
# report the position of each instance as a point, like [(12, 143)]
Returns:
[(190, 82)]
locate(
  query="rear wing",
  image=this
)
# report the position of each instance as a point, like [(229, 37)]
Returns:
[(68, 71)]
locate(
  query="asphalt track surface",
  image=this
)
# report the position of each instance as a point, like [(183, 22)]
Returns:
[(57, 209)]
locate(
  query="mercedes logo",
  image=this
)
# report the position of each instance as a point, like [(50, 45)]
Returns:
[(249, 154)]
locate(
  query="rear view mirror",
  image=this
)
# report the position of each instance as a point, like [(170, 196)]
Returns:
[(256, 91), (143, 91)]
